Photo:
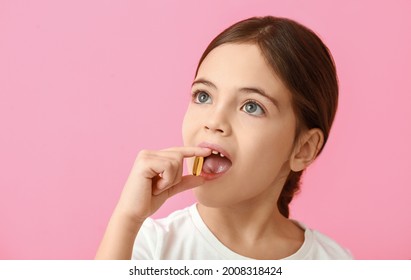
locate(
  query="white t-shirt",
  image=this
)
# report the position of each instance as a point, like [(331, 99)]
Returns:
[(184, 236)]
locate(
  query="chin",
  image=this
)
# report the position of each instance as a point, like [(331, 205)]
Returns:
[(206, 197), (212, 196)]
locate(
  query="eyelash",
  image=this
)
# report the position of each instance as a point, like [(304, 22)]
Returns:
[(197, 92), (257, 103)]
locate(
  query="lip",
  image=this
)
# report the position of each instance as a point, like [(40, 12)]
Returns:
[(215, 147), (210, 176), (218, 148)]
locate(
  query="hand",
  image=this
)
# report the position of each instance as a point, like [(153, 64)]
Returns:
[(156, 176)]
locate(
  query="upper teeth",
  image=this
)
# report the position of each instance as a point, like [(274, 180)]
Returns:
[(216, 153)]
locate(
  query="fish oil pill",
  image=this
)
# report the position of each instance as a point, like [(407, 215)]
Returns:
[(198, 166)]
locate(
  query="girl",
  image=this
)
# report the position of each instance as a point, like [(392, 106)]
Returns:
[(263, 100)]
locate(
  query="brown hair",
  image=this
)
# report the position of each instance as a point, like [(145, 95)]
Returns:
[(304, 64)]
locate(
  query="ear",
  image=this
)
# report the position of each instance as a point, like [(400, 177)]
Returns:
[(306, 150)]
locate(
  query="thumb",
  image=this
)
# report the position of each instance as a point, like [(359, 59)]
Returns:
[(187, 182)]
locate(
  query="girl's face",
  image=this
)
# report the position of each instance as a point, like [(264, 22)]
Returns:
[(241, 108)]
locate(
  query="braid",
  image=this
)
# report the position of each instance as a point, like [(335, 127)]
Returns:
[(291, 187)]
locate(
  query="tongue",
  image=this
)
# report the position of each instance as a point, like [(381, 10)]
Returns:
[(216, 164)]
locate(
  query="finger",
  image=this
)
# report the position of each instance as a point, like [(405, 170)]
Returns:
[(187, 182), (175, 156), (190, 151), (170, 176)]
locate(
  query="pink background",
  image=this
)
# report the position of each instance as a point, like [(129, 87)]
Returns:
[(84, 85)]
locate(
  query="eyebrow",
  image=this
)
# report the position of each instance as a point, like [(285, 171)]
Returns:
[(204, 82), (258, 90)]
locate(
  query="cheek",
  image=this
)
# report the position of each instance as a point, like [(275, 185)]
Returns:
[(268, 153), (192, 124)]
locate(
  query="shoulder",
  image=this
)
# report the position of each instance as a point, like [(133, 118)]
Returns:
[(158, 237), (179, 220), (318, 246), (324, 246), (172, 222)]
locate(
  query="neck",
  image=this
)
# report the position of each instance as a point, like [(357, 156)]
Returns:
[(251, 230), (242, 221)]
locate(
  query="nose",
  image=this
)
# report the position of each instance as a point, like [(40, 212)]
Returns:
[(218, 122)]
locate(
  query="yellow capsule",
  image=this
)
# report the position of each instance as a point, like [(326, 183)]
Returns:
[(198, 166)]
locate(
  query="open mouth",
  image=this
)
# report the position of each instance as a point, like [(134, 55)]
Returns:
[(215, 165)]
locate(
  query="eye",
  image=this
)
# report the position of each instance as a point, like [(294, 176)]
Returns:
[(201, 97), (253, 108)]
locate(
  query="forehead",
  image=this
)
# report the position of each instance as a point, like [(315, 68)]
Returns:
[(240, 65)]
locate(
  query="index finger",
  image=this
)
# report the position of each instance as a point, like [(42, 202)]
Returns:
[(191, 151)]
